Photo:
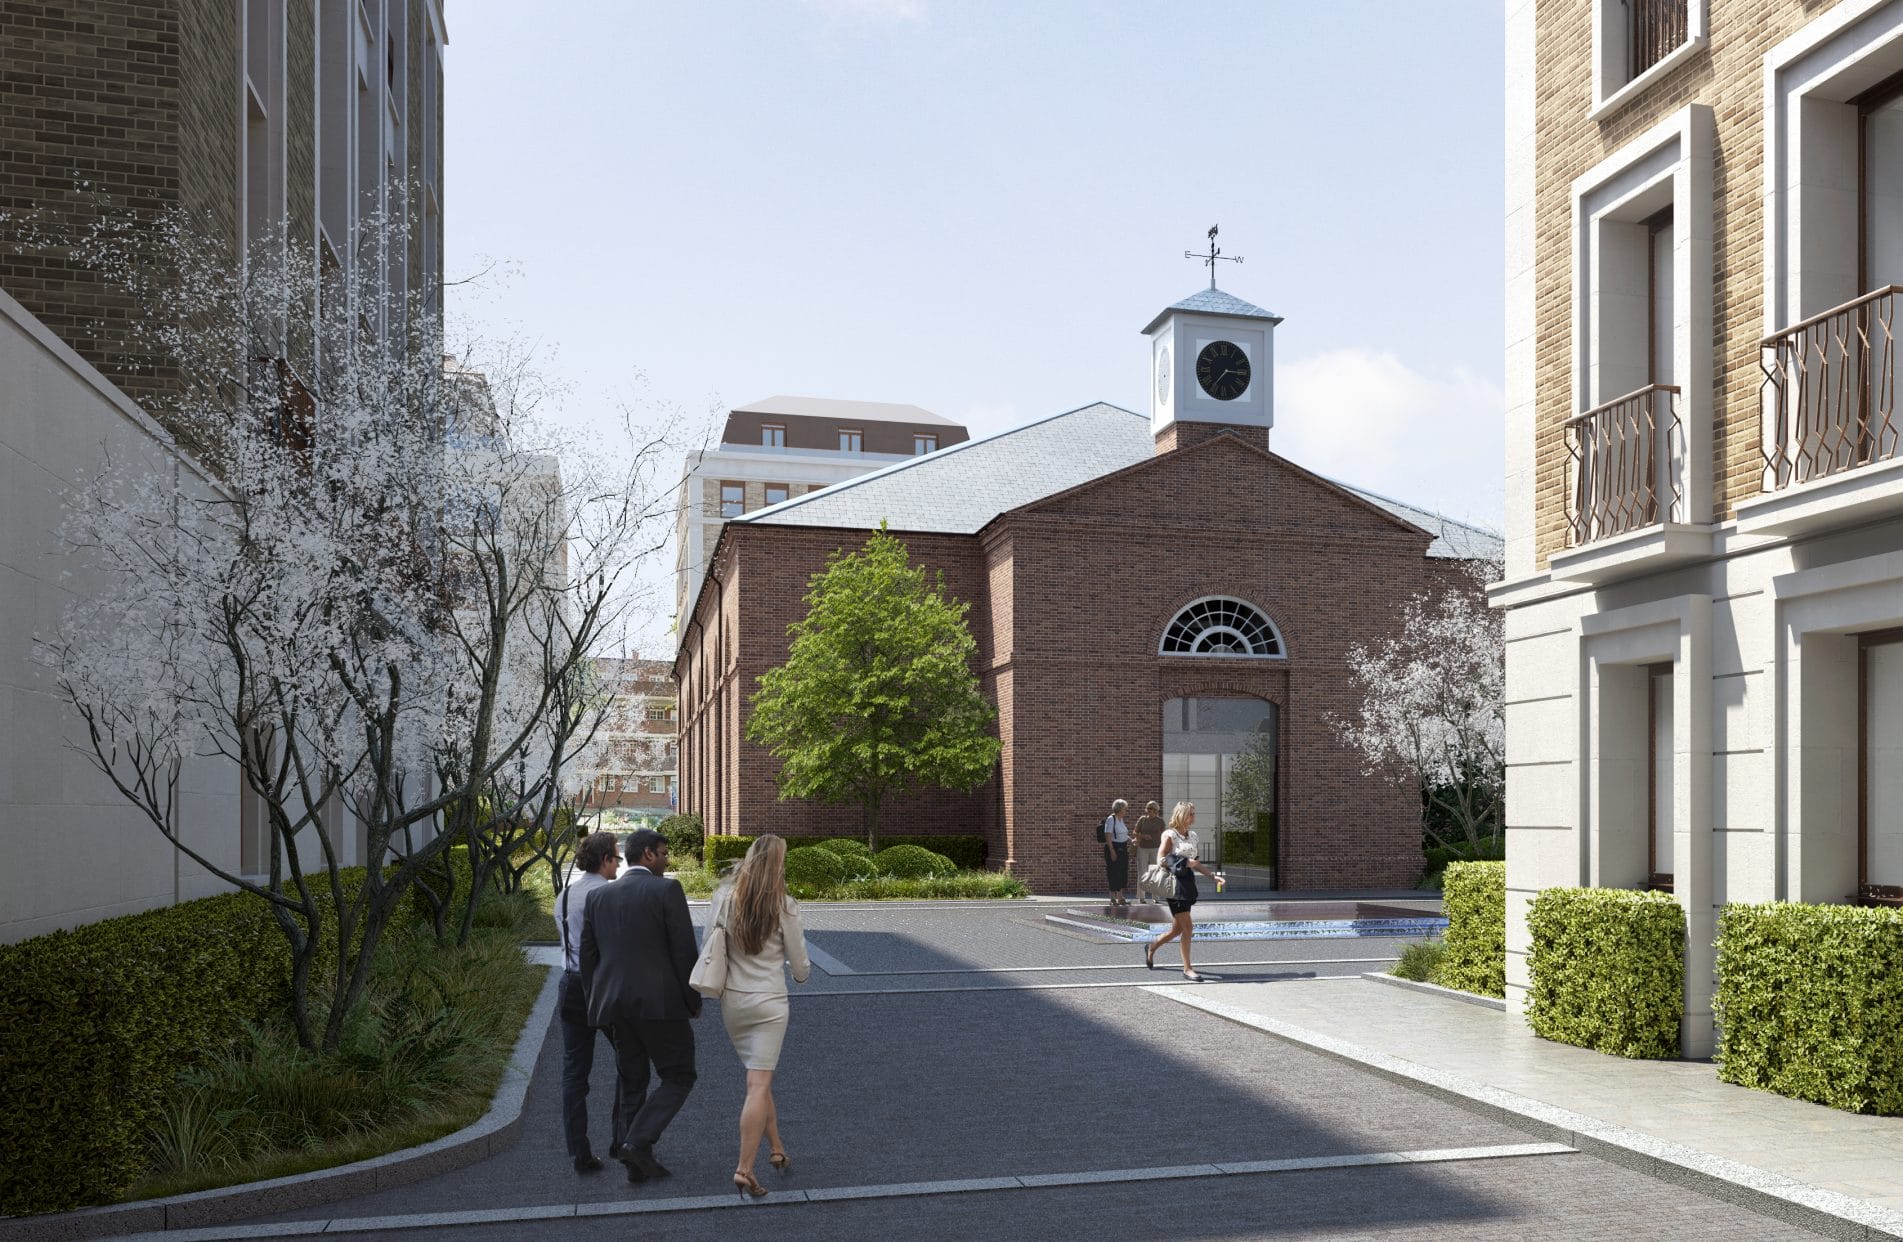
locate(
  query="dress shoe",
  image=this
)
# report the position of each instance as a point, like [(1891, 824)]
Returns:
[(614, 1151), (587, 1164), (643, 1163)]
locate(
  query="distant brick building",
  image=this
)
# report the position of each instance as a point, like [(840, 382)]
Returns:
[(1149, 598), (636, 749)]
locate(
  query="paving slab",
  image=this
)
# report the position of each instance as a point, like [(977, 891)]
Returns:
[(1676, 1115)]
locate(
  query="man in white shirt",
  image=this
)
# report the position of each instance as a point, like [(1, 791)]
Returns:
[(597, 861)]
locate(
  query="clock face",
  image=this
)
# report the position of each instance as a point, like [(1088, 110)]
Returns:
[(1163, 377), (1223, 370)]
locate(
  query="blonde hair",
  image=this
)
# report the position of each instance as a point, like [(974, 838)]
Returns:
[(759, 893), (1183, 811)]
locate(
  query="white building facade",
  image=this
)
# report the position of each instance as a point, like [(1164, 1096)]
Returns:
[(782, 447), (1704, 590)]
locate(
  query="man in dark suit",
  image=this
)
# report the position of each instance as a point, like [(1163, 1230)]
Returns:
[(637, 949)]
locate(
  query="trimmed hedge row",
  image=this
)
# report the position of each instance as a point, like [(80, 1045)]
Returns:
[(95, 1023), (1809, 1004), (1474, 894), (1608, 967), (968, 853)]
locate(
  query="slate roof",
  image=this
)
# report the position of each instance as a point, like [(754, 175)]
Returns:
[(1214, 302), (958, 489)]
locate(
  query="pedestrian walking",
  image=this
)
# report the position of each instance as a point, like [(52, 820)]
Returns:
[(763, 936), (637, 949), (1116, 853), (597, 861), (1178, 852)]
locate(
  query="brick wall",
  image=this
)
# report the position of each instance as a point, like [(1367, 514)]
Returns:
[(1069, 599), (1729, 76)]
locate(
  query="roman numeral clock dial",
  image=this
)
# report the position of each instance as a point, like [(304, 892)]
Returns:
[(1223, 370)]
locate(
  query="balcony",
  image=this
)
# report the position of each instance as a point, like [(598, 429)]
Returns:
[(1625, 512), (1830, 420)]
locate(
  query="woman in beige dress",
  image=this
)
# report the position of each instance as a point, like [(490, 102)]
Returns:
[(763, 934)]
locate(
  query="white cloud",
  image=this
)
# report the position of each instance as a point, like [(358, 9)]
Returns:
[(1365, 417), (870, 11)]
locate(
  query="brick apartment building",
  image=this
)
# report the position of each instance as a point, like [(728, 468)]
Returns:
[(268, 124), (1148, 595), (1705, 492), (632, 760)]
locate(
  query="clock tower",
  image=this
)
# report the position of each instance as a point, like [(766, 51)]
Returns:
[(1212, 364)]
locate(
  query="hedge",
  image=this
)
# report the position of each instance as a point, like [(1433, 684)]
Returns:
[(1608, 967), (1808, 1003), (96, 1023), (811, 872), (968, 853), (1475, 898)]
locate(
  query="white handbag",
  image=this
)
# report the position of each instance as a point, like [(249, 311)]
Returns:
[(709, 976)]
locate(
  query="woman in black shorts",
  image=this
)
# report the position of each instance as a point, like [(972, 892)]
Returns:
[(1178, 852)]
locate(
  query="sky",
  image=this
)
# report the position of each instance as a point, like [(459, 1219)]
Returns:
[(976, 207)]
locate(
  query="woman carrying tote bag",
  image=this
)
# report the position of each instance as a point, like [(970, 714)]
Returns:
[(1177, 854), (763, 934)]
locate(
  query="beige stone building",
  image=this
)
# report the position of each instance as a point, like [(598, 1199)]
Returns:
[(1704, 492), (782, 447), (271, 124)]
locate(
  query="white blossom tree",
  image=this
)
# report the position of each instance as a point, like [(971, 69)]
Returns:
[(346, 605), (1432, 707)]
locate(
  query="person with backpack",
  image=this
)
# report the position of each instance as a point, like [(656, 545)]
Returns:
[(1115, 835)]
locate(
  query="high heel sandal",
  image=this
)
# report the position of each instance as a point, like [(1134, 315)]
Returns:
[(780, 1163), (746, 1185)]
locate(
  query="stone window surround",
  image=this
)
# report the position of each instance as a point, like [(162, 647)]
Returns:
[(1608, 51), (1809, 79), (1616, 648), (1670, 164), (1820, 613)]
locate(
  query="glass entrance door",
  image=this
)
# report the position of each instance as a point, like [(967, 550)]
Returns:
[(1221, 754)]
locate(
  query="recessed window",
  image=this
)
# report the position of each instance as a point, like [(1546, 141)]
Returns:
[(851, 441), (733, 499), (1221, 627), (773, 437), (922, 444), (1638, 41), (775, 493)]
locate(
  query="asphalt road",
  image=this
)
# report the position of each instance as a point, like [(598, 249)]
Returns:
[(980, 1043)]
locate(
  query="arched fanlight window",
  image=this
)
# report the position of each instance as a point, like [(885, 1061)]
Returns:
[(1221, 627)]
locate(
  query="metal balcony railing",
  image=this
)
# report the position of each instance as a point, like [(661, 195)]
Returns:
[(1628, 459), (1656, 29), (1830, 391)]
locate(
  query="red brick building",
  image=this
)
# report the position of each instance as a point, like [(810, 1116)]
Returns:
[(1148, 597)]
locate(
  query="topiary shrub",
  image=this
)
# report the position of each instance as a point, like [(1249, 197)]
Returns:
[(1608, 967), (685, 836), (721, 850), (912, 862), (1809, 1006), (968, 852), (811, 873), (853, 855), (1475, 899)]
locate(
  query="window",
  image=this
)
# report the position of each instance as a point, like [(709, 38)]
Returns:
[(733, 499), (1880, 755), (773, 437), (852, 441), (1659, 734), (1221, 627), (775, 493), (1636, 42), (922, 444)]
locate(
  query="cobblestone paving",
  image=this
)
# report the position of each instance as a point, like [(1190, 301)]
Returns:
[(904, 1086)]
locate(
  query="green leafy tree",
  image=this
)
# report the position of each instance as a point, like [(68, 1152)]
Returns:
[(877, 696), (1250, 790)]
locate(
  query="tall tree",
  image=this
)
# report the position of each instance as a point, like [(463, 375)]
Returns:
[(1432, 707), (877, 696)]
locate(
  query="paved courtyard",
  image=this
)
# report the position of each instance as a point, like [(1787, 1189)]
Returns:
[(976, 1048)]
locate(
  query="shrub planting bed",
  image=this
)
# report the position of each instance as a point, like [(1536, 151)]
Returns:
[(1475, 950), (1608, 967)]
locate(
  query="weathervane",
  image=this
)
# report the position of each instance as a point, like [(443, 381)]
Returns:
[(1215, 253)]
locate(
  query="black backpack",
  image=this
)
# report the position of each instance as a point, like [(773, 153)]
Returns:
[(1101, 825)]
